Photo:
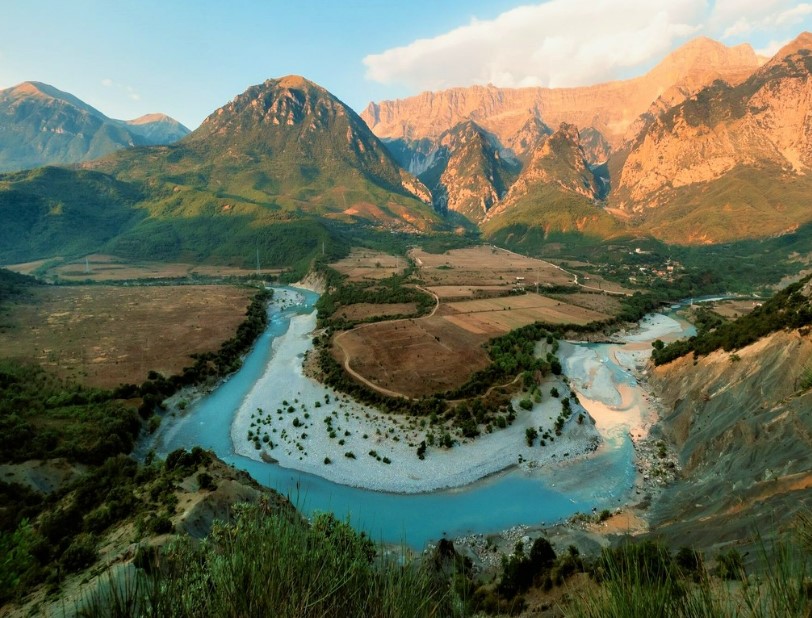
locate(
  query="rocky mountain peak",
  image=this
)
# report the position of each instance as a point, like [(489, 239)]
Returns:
[(286, 101), (801, 43)]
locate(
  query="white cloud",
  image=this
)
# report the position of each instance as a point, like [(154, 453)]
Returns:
[(556, 43), (756, 16), (559, 43), (129, 91), (771, 48)]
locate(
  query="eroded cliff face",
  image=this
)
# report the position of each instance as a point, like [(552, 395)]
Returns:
[(609, 108), (743, 430)]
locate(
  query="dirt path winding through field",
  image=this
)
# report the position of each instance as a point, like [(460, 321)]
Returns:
[(346, 357)]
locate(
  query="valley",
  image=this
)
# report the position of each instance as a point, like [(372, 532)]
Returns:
[(484, 350)]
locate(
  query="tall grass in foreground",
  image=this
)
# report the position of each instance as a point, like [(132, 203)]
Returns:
[(649, 584), (272, 565)]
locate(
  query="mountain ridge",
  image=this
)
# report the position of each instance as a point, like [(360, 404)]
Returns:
[(502, 111), (42, 125), (275, 170)]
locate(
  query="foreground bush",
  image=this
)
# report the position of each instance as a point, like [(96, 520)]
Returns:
[(273, 564)]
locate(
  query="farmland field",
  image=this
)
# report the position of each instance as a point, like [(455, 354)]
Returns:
[(99, 267), (367, 264), (104, 336), (482, 293)]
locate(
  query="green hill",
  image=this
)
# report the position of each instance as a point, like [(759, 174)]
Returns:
[(278, 168)]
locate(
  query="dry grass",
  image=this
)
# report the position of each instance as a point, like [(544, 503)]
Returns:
[(602, 303), (104, 336), (486, 266), (362, 311), (366, 264), (110, 268), (734, 308), (499, 315), (414, 357), (474, 286)]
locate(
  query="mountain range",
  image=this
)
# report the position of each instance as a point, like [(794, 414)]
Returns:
[(712, 145), (41, 125), (709, 146), (269, 171)]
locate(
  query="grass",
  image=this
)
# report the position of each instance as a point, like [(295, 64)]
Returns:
[(273, 564), (645, 581)]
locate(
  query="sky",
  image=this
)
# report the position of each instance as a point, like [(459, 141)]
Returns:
[(186, 58)]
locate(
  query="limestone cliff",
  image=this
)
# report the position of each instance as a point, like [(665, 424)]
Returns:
[(559, 161), (761, 125), (609, 108), (465, 172)]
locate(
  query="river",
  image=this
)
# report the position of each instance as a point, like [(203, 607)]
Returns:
[(601, 374)]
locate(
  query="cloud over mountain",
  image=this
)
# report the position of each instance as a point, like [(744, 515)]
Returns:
[(563, 43)]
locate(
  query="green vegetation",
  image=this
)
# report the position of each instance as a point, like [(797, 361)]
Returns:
[(646, 579), (57, 534), (42, 417), (55, 211), (342, 293), (268, 563), (788, 309), (13, 285)]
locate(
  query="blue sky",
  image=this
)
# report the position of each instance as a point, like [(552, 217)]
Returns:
[(186, 58)]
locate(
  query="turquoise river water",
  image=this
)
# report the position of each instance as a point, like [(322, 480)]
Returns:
[(513, 497)]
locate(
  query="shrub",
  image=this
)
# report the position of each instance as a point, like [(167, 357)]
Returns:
[(205, 481)]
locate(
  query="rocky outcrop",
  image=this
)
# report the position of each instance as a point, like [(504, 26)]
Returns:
[(464, 170), (558, 161), (763, 121)]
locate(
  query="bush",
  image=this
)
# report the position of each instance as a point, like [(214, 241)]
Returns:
[(81, 553), (206, 481), (272, 563)]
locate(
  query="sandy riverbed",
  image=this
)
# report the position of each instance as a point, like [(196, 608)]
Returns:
[(289, 412)]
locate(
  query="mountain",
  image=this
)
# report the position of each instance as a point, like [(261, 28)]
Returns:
[(157, 129), (557, 190), (555, 182), (731, 161), (712, 145), (273, 171), (462, 168), (609, 108), (41, 125)]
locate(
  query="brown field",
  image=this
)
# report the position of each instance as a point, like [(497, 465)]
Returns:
[(486, 266), (433, 354), (734, 308), (104, 336), (447, 292), (365, 264), (361, 311), (500, 315), (413, 357), (602, 303), (110, 268)]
